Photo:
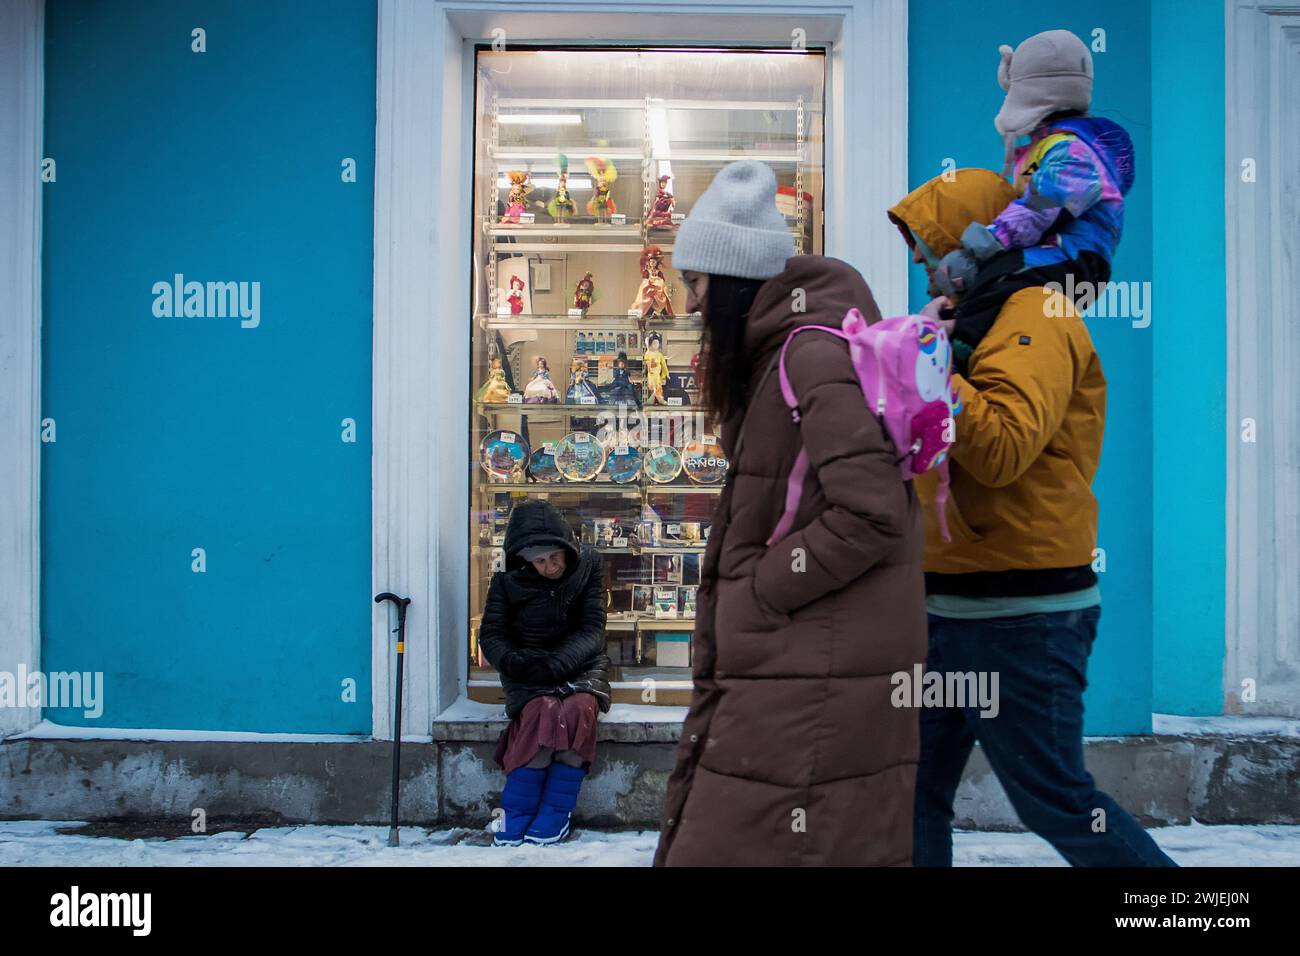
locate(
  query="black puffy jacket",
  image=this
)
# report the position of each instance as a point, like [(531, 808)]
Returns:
[(546, 637)]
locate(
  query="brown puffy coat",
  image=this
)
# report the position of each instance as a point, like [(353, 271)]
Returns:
[(791, 752)]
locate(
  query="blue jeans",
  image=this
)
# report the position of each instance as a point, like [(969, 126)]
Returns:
[(1034, 744)]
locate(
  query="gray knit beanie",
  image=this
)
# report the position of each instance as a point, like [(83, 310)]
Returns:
[(1049, 72), (734, 228)]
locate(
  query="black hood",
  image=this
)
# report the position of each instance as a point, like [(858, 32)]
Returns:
[(535, 522)]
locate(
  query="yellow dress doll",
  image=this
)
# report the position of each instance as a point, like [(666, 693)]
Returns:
[(495, 390), (656, 370)]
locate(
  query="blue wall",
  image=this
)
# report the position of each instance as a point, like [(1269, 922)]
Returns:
[(183, 433), (954, 96), (1190, 461)]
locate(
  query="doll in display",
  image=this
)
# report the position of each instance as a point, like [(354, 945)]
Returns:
[(520, 187), (603, 173), (652, 300), (660, 213), (495, 390), (541, 390), (516, 296), (562, 206), (620, 391), (656, 369), (581, 391), (584, 293), (611, 533)]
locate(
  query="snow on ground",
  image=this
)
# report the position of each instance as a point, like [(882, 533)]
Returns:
[(37, 843)]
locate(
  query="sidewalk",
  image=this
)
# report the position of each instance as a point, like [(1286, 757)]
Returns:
[(38, 843)]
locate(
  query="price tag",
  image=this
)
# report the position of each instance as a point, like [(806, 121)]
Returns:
[(586, 400), (548, 447), (503, 311), (508, 437), (620, 542), (499, 539), (675, 400), (673, 529), (620, 449), (708, 439), (632, 313), (581, 437), (576, 313), (618, 219), (527, 218), (515, 399)]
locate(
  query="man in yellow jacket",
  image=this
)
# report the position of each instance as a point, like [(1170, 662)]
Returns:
[(1013, 592)]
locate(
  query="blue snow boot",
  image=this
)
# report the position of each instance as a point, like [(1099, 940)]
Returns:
[(520, 799), (560, 796)]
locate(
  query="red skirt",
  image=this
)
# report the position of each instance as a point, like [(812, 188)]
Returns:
[(568, 724)]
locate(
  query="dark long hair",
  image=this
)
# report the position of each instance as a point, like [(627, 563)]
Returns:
[(724, 364)]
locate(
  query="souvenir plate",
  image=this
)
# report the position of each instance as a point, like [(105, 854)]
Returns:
[(542, 463), (579, 456), (623, 463), (704, 462), (662, 463), (503, 455)]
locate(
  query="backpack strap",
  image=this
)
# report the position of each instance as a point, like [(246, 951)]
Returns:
[(793, 492), (941, 500), (787, 390), (794, 483)]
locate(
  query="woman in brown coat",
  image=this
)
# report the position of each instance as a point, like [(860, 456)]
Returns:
[(792, 753)]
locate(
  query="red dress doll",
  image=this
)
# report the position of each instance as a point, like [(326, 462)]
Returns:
[(516, 296)]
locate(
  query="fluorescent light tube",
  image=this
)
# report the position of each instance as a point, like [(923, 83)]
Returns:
[(539, 119)]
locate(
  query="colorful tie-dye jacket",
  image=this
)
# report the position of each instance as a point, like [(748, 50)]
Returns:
[(1074, 174)]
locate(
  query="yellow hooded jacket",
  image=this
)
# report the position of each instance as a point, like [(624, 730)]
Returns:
[(1028, 438)]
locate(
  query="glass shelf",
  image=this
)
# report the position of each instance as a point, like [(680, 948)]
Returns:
[(499, 229), (632, 549), (578, 153), (530, 408), (562, 322), (632, 489)]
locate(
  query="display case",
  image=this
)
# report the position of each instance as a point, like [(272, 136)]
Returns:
[(583, 361)]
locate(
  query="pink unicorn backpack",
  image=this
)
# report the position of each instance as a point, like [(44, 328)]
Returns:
[(904, 366)]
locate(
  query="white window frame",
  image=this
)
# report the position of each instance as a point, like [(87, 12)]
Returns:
[(1263, 484), (22, 76), (423, 253)]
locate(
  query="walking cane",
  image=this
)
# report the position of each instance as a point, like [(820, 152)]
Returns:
[(401, 603)]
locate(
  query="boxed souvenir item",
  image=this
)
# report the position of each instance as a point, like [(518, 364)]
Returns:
[(673, 649), (665, 602)]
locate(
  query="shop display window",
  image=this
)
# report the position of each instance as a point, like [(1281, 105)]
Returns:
[(583, 360)]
